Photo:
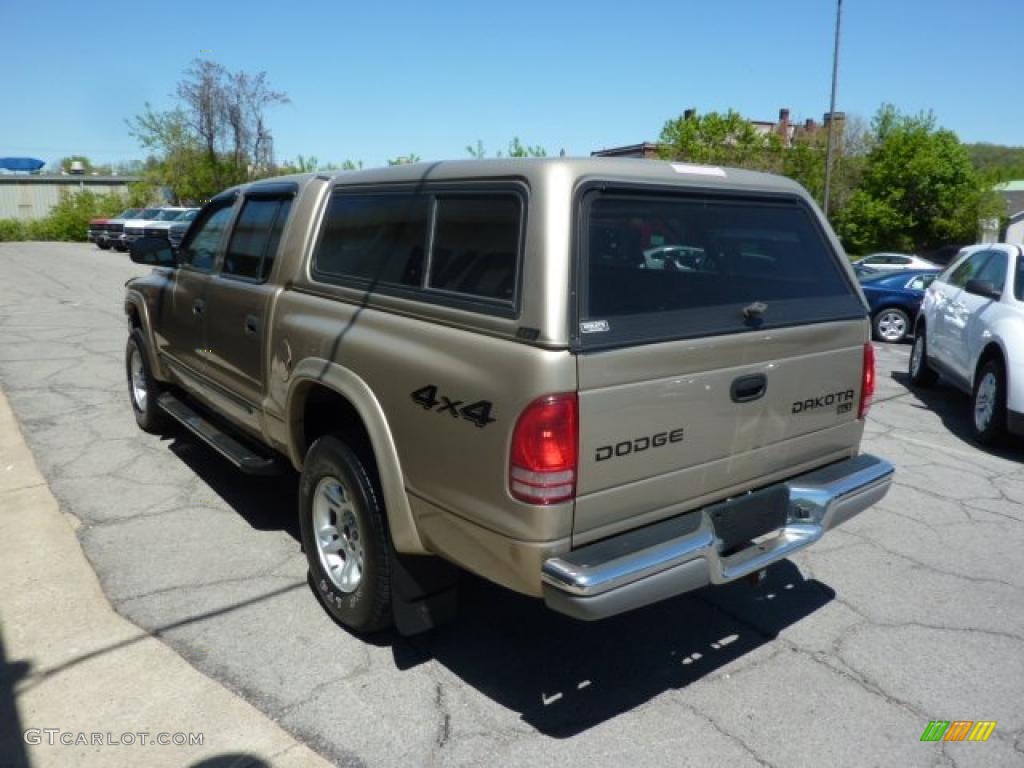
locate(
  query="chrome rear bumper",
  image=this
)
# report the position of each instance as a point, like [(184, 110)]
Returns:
[(682, 554)]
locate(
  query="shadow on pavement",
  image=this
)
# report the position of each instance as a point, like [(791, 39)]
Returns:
[(564, 676), (954, 409), (231, 760), (266, 503), (12, 743)]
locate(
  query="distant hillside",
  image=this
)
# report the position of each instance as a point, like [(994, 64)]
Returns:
[(999, 162)]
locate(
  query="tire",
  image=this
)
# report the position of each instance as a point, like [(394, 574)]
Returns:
[(988, 404), (345, 536), (891, 325), (143, 389), (921, 374), (103, 246)]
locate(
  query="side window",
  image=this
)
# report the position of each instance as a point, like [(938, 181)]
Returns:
[(377, 238), (201, 250), (1018, 280), (920, 282), (969, 269), (476, 245), (255, 238), (994, 270), (899, 260)]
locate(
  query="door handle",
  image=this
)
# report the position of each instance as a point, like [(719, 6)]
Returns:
[(252, 324), (748, 388), (197, 307)]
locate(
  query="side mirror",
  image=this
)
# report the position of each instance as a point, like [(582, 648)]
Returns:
[(982, 288), (154, 251)]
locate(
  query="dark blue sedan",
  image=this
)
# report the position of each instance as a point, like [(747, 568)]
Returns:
[(895, 298)]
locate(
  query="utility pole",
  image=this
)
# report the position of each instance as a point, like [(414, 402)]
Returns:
[(832, 110)]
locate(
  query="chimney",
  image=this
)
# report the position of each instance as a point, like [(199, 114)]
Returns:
[(809, 124), (690, 114), (783, 127)]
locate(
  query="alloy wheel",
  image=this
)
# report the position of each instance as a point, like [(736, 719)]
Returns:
[(338, 537), (985, 401)]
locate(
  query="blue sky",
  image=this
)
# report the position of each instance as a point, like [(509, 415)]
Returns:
[(372, 80)]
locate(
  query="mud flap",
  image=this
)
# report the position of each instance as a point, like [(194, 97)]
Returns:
[(424, 591)]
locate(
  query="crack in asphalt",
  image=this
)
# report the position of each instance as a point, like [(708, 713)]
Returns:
[(119, 601), (716, 726)]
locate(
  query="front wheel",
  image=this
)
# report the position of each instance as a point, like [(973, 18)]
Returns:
[(989, 404), (891, 324), (921, 375), (103, 245), (143, 389), (345, 537)]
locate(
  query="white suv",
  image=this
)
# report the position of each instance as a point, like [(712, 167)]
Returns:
[(971, 330)]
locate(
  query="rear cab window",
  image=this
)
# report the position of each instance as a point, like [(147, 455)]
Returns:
[(461, 249), (663, 266)]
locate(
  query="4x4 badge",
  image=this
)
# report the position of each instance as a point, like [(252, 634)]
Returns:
[(478, 413)]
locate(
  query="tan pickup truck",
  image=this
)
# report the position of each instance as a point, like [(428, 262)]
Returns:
[(600, 382)]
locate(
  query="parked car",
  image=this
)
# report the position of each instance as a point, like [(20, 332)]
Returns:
[(92, 234), (177, 229), (894, 299), (154, 225), (471, 363), (105, 232), (944, 255), (884, 261), (115, 227), (971, 330)]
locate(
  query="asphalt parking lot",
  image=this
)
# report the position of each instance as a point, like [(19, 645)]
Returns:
[(912, 612)]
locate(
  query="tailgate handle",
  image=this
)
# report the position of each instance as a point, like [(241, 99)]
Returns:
[(747, 388)]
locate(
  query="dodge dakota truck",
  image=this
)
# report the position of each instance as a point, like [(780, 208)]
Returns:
[(599, 382)]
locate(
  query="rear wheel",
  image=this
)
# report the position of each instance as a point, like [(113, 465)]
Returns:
[(103, 245), (921, 375), (345, 536), (988, 404), (891, 324)]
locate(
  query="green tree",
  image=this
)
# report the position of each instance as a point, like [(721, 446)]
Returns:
[(517, 149), (216, 136), (409, 159), (918, 190), (997, 162), (804, 162), (720, 139)]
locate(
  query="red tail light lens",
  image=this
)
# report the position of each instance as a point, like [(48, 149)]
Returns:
[(867, 382), (545, 451)]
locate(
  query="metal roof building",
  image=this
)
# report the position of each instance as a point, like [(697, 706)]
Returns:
[(33, 196)]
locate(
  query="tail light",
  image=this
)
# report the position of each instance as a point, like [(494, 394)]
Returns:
[(867, 381), (545, 451)]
